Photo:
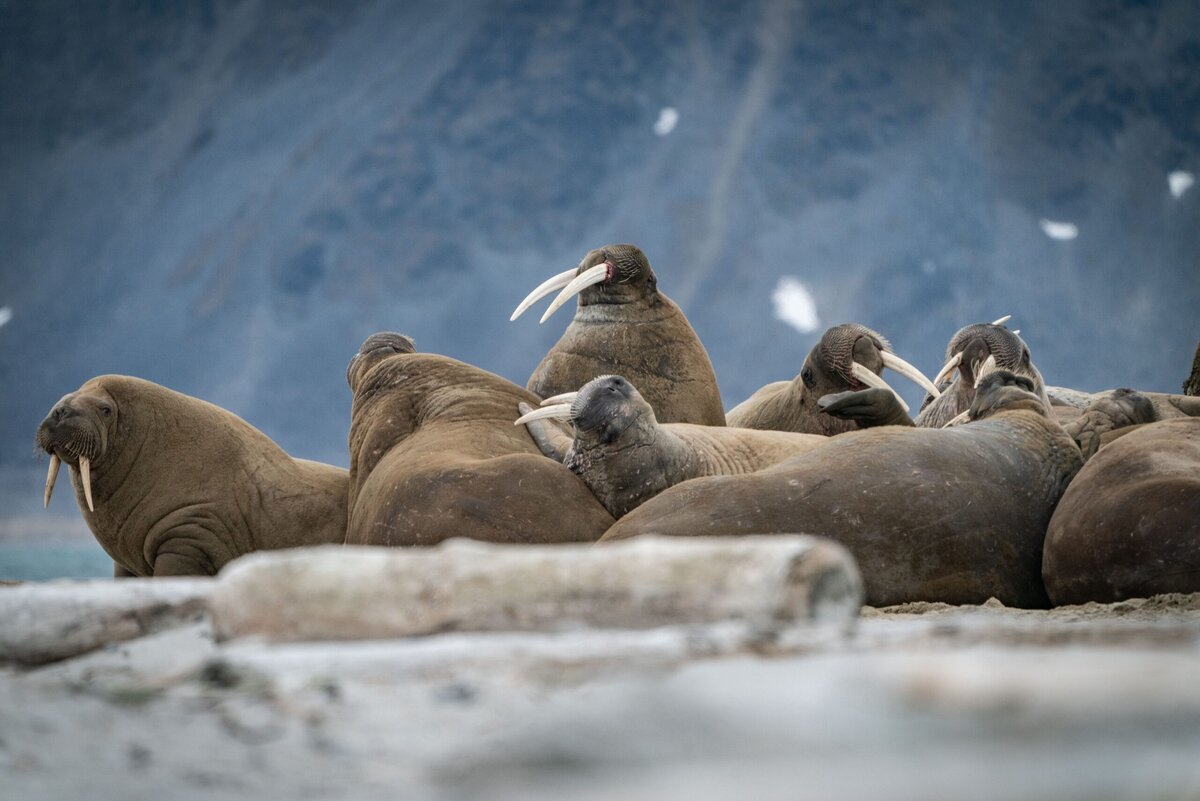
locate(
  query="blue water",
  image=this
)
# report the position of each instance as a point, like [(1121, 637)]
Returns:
[(59, 560)]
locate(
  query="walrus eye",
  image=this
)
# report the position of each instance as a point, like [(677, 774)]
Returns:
[(806, 375), (106, 410)]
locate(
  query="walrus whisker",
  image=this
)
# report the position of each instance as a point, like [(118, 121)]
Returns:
[(909, 371), (948, 368), (561, 411), (565, 397), (958, 418), (590, 276), (51, 477), (545, 288), (85, 478), (871, 380), (1003, 320)]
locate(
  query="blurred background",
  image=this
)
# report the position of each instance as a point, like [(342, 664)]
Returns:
[(228, 197)]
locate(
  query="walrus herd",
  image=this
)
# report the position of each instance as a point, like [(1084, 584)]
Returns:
[(999, 486)]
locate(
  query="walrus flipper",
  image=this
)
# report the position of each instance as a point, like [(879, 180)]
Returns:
[(1116, 410), (867, 407), (551, 440)]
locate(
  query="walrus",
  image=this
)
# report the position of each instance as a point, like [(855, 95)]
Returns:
[(848, 357), (625, 325), (434, 455), (1129, 524), (625, 456), (969, 349), (956, 515), (1191, 385), (171, 485)]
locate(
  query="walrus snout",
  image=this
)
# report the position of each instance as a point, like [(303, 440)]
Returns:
[(613, 266), (1003, 389)]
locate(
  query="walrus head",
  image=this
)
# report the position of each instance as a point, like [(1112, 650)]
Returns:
[(601, 411), (612, 274), (77, 432), (1003, 390), (373, 349), (974, 351), (851, 357)]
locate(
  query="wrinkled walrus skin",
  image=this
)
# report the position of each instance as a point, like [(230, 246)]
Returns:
[(434, 454), (1129, 524), (955, 515), (181, 486)]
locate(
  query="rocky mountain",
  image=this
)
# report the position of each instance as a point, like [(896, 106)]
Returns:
[(227, 197)]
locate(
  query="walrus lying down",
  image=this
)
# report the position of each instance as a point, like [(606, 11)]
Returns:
[(171, 485), (1129, 524), (955, 515), (625, 456), (434, 455)]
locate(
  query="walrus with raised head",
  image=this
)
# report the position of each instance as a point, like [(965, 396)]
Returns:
[(625, 456), (171, 485), (1129, 524), (434, 455), (848, 357), (972, 350), (955, 515), (624, 324)]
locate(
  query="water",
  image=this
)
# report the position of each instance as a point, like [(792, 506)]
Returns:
[(57, 560)]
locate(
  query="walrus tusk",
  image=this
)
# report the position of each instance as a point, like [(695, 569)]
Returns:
[(958, 418), (988, 366), (871, 380), (51, 477), (545, 288), (592, 275), (1016, 332), (566, 397), (560, 411), (948, 368), (85, 478), (1002, 320), (910, 372)]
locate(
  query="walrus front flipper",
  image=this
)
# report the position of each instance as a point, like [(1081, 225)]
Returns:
[(551, 439), (1117, 409), (867, 407)]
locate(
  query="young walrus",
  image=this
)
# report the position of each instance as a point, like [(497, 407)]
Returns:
[(956, 515), (625, 324), (434, 455), (171, 485), (626, 456), (848, 357)]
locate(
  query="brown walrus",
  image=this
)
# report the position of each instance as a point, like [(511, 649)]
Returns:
[(970, 349), (848, 357), (624, 324), (625, 456), (434, 455), (1129, 524), (955, 515), (171, 485)]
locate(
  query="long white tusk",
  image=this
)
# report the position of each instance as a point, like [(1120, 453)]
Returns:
[(908, 371), (51, 477), (592, 275), (958, 418), (988, 366), (561, 411), (948, 368), (545, 288), (1002, 320), (566, 397), (871, 380), (85, 478)]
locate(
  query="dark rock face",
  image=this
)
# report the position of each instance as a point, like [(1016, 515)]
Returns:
[(227, 197)]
